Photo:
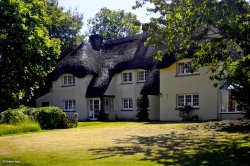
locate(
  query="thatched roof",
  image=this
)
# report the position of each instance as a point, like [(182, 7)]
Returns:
[(152, 85), (105, 60)]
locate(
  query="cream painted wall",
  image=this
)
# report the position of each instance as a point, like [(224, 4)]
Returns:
[(61, 93), (171, 85), (154, 107), (121, 90), (45, 98)]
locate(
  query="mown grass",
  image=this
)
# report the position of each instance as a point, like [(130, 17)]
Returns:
[(128, 143), (26, 126)]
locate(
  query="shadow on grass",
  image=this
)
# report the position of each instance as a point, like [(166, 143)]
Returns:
[(180, 149)]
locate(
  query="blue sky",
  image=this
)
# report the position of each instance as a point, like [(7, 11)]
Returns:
[(90, 7)]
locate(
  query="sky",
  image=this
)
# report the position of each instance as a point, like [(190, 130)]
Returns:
[(90, 7)]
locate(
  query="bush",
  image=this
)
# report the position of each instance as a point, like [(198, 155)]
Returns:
[(13, 116), (48, 117), (102, 116), (142, 108), (51, 118), (186, 113)]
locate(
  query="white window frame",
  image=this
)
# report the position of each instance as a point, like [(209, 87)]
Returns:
[(143, 75), (127, 77), (188, 99), (185, 68), (127, 104), (68, 80), (69, 105)]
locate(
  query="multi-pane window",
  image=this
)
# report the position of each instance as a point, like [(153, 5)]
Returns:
[(127, 77), (69, 105), (68, 80), (143, 75), (185, 68), (108, 104), (188, 99), (127, 104)]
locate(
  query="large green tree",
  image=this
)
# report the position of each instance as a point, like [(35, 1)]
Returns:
[(113, 24), (66, 25), (31, 40), (218, 30)]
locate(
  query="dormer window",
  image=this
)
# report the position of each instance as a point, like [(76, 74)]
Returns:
[(127, 77), (68, 80), (143, 75), (185, 68)]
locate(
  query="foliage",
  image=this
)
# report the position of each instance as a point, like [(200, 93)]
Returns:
[(142, 108), (239, 77), (186, 113), (218, 30), (32, 35), (66, 25), (112, 24), (48, 117), (25, 126), (235, 126), (73, 117), (51, 118), (102, 115), (13, 116)]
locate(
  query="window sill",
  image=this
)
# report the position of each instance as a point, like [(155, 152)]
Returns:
[(69, 111), (126, 110), (191, 74), (237, 112), (124, 83), (194, 108), (68, 85), (141, 81)]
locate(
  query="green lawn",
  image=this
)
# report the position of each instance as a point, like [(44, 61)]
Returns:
[(126, 143)]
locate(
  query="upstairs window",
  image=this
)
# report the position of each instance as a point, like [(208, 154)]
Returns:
[(68, 80), (127, 77), (69, 105), (143, 75), (185, 68), (188, 99)]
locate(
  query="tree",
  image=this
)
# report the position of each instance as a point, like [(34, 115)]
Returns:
[(29, 46), (218, 30), (66, 26), (142, 108), (112, 24)]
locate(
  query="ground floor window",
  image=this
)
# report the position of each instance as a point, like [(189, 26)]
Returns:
[(188, 99), (108, 104), (69, 105), (127, 104), (228, 104)]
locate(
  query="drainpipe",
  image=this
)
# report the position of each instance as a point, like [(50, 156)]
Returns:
[(218, 104)]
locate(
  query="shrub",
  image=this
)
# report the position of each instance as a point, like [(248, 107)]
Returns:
[(51, 118), (186, 113), (142, 108), (48, 117), (102, 116), (13, 116)]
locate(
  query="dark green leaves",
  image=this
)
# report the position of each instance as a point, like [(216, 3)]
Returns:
[(113, 24)]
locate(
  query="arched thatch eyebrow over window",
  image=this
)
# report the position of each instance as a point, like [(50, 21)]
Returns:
[(114, 57)]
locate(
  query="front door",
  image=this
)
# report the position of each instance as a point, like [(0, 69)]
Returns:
[(94, 108)]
